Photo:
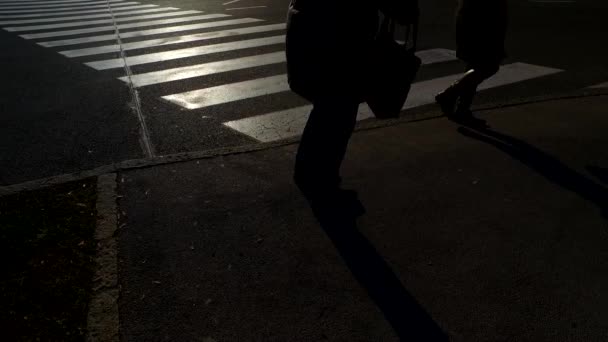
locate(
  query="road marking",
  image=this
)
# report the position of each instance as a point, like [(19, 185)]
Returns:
[(175, 74), (121, 27), (96, 22), (33, 3), (599, 86), (68, 8), (185, 53), (173, 40), (266, 127), (18, 3), (243, 8), (48, 5), (265, 86), (230, 2), (283, 124), (104, 10), (150, 32), (229, 93), (434, 56), (289, 123), (508, 74), (83, 17)]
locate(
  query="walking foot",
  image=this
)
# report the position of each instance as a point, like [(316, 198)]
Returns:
[(447, 101)]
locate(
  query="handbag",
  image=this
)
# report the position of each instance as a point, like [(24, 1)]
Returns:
[(392, 70)]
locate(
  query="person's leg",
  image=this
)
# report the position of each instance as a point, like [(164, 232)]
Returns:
[(463, 92), (467, 86), (323, 144), (448, 98)]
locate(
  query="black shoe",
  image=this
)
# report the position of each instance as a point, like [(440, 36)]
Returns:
[(447, 101)]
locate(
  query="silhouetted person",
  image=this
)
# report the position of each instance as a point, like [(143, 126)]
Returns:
[(328, 44), (480, 34)]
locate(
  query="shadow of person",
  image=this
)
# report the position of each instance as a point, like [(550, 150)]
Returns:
[(544, 164), (601, 173), (406, 316)]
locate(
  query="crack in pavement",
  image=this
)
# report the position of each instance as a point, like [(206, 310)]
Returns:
[(136, 104)]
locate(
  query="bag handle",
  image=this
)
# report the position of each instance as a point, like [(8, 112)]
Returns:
[(413, 29), (387, 28)]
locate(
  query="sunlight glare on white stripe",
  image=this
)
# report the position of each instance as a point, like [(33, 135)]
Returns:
[(184, 53), (191, 71), (270, 85)]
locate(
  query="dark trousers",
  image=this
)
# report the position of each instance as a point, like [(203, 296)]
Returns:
[(324, 142)]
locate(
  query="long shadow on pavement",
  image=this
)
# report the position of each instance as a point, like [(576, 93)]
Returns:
[(600, 173), (406, 316), (544, 164)]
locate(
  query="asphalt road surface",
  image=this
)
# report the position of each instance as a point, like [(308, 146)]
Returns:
[(87, 83)]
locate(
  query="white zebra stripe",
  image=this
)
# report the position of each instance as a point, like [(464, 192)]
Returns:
[(184, 53), (75, 13), (150, 32), (282, 124), (85, 17), (27, 7), (229, 93), (17, 3), (173, 40), (123, 26), (434, 56), (169, 75), (50, 10), (290, 123), (269, 85), (175, 74), (97, 22), (600, 86)]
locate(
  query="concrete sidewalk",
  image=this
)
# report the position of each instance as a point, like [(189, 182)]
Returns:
[(496, 236)]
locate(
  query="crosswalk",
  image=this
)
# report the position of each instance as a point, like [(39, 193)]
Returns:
[(168, 44)]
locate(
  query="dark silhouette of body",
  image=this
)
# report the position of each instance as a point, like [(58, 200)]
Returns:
[(480, 34), (328, 48)]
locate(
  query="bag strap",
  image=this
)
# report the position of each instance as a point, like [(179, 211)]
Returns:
[(413, 30), (387, 27)]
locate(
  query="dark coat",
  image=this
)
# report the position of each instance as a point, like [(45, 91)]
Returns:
[(481, 27), (326, 46), (329, 43)]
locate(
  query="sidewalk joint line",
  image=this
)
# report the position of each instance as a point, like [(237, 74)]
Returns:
[(143, 163)]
